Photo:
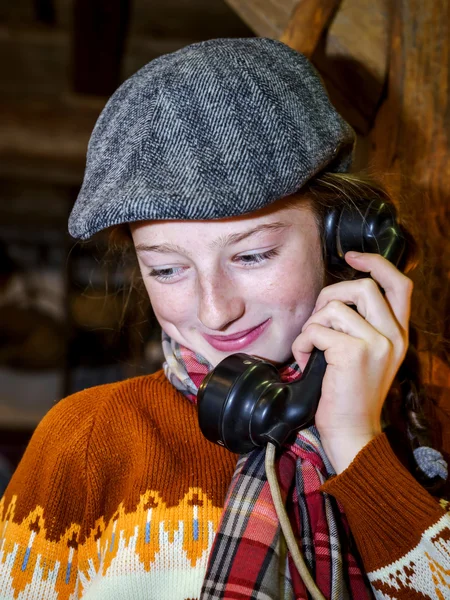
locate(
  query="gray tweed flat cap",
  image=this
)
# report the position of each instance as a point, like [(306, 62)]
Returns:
[(216, 129)]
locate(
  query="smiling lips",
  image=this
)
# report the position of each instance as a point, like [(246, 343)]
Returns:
[(237, 341)]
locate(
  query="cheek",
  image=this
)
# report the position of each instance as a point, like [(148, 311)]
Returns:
[(298, 287), (169, 304)]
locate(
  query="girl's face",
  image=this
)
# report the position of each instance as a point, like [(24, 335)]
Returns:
[(244, 284)]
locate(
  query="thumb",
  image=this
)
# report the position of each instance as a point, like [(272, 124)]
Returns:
[(302, 359)]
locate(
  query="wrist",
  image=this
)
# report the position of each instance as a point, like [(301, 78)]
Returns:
[(343, 449)]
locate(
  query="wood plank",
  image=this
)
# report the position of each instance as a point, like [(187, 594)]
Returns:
[(411, 149), (308, 23)]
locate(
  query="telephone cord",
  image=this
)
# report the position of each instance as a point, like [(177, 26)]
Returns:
[(286, 525)]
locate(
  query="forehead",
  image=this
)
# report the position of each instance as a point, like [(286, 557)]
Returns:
[(277, 218)]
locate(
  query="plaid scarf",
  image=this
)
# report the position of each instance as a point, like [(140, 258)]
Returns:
[(249, 558)]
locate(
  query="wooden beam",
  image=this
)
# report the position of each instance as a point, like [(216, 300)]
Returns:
[(100, 28), (411, 149), (351, 57), (353, 60), (267, 18), (308, 23)]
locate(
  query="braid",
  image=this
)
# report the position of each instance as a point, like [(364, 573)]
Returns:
[(407, 416), (416, 412)]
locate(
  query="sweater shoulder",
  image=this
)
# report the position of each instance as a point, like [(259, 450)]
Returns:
[(63, 439), (93, 398), (81, 410), (80, 431)]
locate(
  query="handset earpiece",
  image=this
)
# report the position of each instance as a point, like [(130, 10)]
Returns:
[(242, 403), (372, 228)]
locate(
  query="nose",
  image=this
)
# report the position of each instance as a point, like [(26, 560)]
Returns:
[(220, 302)]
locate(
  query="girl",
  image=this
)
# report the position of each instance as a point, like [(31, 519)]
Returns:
[(222, 163)]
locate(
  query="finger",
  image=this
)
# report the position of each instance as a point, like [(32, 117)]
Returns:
[(370, 304), (340, 317), (397, 287), (339, 348)]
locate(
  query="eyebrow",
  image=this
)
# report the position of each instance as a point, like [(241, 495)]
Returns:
[(222, 241)]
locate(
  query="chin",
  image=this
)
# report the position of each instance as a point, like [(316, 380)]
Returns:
[(277, 355), (277, 358), (277, 361)]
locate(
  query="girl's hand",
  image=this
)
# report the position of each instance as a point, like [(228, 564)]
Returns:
[(363, 349)]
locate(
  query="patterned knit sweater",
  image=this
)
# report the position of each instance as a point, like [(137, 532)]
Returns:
[(119, 496)]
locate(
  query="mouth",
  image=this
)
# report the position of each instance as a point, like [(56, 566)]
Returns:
[(236, 341)]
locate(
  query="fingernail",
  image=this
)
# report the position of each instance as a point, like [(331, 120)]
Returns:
[(353, 254)]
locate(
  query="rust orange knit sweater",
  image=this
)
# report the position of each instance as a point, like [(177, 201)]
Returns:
[(119, 496)]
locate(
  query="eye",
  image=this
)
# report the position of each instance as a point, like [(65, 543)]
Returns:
[(257, 257), (165, 274)]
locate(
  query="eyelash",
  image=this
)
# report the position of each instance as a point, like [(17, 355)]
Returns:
[(259, 257), (256, 258)]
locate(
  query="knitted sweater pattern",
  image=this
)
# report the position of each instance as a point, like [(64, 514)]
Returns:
[(119, 496)]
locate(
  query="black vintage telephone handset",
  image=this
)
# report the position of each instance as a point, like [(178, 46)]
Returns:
[(242, 403)]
